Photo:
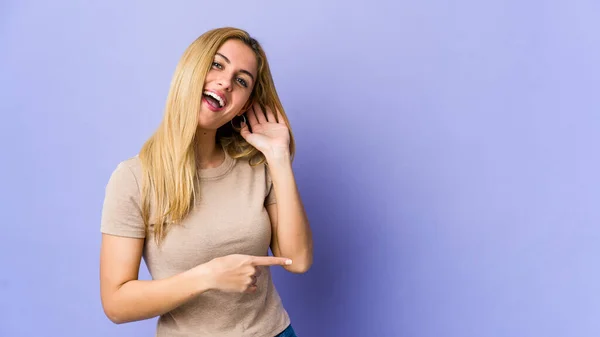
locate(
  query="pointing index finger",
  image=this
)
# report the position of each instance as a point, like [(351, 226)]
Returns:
[(270, 261)]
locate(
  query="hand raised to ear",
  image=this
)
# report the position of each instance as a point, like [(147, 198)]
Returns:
[(268, 135)]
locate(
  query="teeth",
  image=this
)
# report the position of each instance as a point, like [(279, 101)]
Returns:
[(215, 96)]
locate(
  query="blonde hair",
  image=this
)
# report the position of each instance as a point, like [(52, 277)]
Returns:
[(169, 180)]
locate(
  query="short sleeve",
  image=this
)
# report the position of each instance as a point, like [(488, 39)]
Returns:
[(121, 212), (270, 198)]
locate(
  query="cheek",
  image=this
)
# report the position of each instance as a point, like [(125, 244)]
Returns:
[(241, 99), (209, 76)]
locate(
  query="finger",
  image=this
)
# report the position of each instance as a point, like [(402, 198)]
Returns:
[(259, 112), (280, 117), (270, 116), (270, 261), (251, 116), (245, 130)]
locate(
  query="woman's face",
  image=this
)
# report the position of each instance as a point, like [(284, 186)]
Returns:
[(228, 84)]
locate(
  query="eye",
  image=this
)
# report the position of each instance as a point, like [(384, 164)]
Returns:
[(242, 82), (217, 65)]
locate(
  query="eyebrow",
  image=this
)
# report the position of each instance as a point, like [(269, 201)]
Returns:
[(241, 71)]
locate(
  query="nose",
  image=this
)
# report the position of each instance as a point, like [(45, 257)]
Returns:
[(224, 82)]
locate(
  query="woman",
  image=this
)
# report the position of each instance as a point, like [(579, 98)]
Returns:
[(207, 196)]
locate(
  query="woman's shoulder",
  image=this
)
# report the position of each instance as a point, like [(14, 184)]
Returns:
[(132, 164), (259, 174), (121, 208), (127, 173)]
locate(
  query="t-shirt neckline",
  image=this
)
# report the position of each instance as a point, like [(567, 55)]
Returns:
[(217, 171)]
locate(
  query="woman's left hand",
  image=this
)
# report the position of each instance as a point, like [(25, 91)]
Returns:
[(269, 136)]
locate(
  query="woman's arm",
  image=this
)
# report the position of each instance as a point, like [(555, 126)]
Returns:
[(125, 298), (292, 235)]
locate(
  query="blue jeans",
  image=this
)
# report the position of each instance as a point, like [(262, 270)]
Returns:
[(288, 332)]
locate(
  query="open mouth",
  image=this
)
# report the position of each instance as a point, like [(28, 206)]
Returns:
[(214, 100)]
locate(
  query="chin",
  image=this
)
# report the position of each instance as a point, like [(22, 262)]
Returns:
[(209, 124)]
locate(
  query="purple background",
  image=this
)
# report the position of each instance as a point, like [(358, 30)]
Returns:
[(447, 155)]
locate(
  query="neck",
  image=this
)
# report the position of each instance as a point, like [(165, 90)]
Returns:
[(208, 154)]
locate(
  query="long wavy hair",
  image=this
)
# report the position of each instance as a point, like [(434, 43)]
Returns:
[(168, 157)]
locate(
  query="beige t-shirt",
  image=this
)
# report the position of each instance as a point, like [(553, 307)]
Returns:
[(229, 218)]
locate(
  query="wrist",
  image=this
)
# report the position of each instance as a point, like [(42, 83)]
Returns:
[(278, 156), (202, 278)]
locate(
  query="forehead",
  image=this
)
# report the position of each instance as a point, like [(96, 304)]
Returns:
[(240, 55)]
